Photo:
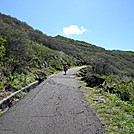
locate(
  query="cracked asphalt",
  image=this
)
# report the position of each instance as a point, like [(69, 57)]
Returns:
[(56, 106)]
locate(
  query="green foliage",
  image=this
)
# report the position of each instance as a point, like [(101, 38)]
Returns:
[(123, 86), (103, 65), (21, 80), (20, 95), (2, 61), (116, 115), (2, 48)]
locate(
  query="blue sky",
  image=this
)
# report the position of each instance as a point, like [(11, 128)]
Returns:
[(105, 23)]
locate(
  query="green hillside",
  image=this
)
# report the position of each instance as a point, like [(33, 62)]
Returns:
[(27, 55), (24, 57)]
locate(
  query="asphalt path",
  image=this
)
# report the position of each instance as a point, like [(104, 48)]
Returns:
[(56, 106)]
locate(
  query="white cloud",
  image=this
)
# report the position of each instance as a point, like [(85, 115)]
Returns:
[(73, 29)]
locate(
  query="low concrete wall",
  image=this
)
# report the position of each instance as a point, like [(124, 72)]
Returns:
[(6, 102)]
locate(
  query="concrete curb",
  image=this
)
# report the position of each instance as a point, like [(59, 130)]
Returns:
[(6, 102)]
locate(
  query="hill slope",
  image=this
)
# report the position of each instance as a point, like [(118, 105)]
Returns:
[(28, 53), (23, 55)]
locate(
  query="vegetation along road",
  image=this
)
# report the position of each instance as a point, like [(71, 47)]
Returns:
[(56, 106)]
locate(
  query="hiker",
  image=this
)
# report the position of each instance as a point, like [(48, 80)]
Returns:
[(65, 69)]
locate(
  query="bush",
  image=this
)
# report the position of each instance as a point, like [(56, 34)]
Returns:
[(121, 85)]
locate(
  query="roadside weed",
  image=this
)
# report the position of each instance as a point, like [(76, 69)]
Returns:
[(20, 95)]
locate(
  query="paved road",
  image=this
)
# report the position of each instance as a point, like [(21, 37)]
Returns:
[(56, 106)]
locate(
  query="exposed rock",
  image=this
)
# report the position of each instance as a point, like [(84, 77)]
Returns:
[(4, 95)]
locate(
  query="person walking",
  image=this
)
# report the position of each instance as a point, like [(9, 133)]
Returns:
[(65, 69)]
